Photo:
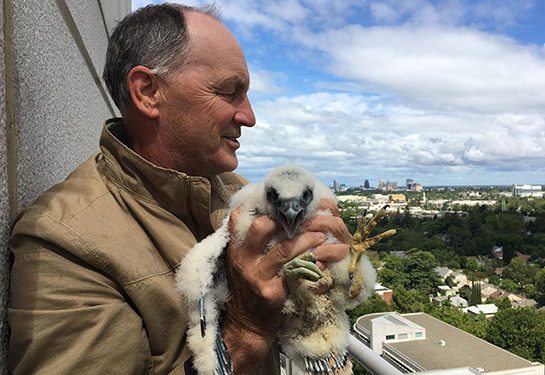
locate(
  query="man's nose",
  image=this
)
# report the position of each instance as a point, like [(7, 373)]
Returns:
[(245, 115)]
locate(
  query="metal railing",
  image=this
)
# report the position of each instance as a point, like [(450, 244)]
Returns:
[(369, 359), (362, 354)]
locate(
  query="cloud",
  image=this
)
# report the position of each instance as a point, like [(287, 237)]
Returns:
[(263, 82), (436, 91), (348, 137), (456, 68)]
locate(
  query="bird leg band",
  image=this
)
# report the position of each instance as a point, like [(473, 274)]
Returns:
[(225, 366)]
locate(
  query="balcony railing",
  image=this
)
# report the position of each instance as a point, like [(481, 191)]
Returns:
[(361, 353), (369, 359)]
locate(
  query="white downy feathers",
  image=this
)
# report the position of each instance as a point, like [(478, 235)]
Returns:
[(323, 329)]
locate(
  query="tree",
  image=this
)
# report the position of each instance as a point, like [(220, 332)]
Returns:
[(494, 280), (373, 304), (509, 285), (521, 331), (519, 272), (475, 294), (420, 270), (503, 303), (406, 301), (456, 317), (393, 272), (540, 286), (350, 219)]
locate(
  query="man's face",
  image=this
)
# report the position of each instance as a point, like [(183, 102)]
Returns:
[(205, 105)]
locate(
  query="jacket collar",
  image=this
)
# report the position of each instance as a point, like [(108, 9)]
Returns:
[(198, 201)]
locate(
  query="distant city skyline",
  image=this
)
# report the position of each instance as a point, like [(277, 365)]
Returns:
[(445, 93)]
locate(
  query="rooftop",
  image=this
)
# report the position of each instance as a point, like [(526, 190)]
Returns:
[(460, 349)]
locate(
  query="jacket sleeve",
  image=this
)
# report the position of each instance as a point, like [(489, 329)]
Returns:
[(67, 317)]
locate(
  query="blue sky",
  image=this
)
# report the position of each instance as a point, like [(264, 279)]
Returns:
[(441, 92)]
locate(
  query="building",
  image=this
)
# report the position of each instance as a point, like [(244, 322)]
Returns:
[(527, 191), (366, 184), (53, 104), (381, 198), (454, 300), (391, 185), (419, 342), (489, 310), (411, 185), (384, 292), (398, 198)]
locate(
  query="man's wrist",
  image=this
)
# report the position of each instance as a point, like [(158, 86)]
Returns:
[(247, 347)]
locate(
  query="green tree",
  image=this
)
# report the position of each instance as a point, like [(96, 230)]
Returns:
[(373, 304), (509, 285), (494, 280), (421, 273), (540, 286), (475, 294), (521, 331), (459, 319), (503, 303), (350, 219), (393, 272), (520, 272), (406, 301), (530, 291)]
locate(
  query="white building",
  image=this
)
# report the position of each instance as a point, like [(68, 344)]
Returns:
[(489, 310), (527, 191), (419, 342)]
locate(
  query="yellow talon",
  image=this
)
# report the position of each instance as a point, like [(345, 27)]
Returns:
[(360, 243)]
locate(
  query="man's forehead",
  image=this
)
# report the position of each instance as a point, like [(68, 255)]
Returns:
[(204, 28)]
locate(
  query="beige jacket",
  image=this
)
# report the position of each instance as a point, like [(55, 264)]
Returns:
[(92, 285)]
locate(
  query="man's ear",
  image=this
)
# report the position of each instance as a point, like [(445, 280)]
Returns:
[(144, 90)]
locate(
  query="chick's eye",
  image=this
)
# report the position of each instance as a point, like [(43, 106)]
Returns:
[(307, 195), (272, 196)]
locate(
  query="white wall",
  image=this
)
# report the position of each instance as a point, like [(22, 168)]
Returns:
[(52, 103)]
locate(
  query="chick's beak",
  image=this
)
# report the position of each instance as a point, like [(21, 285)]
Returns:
[(290, 214)]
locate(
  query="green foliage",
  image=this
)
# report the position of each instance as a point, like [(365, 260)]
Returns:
[(530, 291), (457, 318), (358, 369), (373, 304), (416, 271), (509, 285), (540, 286), (350, 219), (406, 301), (475, 294), (393, 272), (420, 268), (520, 272), (494, 280), (503, 303), (521, 331)]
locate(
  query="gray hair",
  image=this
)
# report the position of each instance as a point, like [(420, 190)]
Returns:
[(156, 37)]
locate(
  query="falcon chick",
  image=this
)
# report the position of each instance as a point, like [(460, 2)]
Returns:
[(315, 331)]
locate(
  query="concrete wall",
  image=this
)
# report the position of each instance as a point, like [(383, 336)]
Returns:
[(52, 103)]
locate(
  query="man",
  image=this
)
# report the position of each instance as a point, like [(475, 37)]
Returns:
[(95, 256)]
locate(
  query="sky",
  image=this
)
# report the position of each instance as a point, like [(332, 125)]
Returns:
[(445, 93)]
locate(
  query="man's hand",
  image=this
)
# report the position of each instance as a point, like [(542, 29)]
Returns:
[(334, 225), (258, 292)]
